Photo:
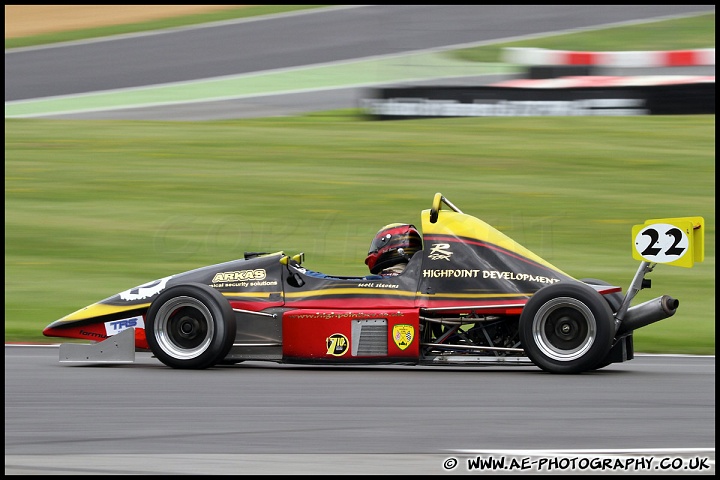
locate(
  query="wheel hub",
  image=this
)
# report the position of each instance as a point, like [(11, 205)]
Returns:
[(189, 327), (565, 328)]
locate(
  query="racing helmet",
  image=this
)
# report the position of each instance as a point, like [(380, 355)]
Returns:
[(393, 244)]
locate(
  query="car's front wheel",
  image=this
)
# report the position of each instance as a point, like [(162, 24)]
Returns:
[(566, 328), (190, 326)]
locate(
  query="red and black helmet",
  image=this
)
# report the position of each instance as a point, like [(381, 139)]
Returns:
[(394, 243)]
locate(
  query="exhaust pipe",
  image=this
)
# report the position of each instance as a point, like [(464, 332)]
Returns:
[(649, 312)]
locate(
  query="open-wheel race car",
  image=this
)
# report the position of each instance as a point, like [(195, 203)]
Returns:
[(470, 295)]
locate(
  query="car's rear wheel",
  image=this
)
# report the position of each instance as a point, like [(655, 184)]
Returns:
[(615, 301), (566, 328), (190, 326)]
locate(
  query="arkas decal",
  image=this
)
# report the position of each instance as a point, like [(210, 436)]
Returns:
[(337, 345), (403, 335), (243, 279), (239, 275)]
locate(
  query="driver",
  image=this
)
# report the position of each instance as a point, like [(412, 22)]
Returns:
[(391, 249)]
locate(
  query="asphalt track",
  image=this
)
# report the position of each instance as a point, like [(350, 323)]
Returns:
[(288, 64), (145, 418), (255, 418)]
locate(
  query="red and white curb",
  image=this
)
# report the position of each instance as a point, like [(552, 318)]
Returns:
[(604, 81), (666, 58)]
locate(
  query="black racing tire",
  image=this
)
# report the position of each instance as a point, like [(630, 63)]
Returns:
[(603, 363), (566, 328), (190, 326), (614, 299)]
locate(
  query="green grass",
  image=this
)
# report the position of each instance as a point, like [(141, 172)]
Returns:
[(95, 207)]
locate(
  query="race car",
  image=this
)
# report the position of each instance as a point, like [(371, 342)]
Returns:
[(470, 295)]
